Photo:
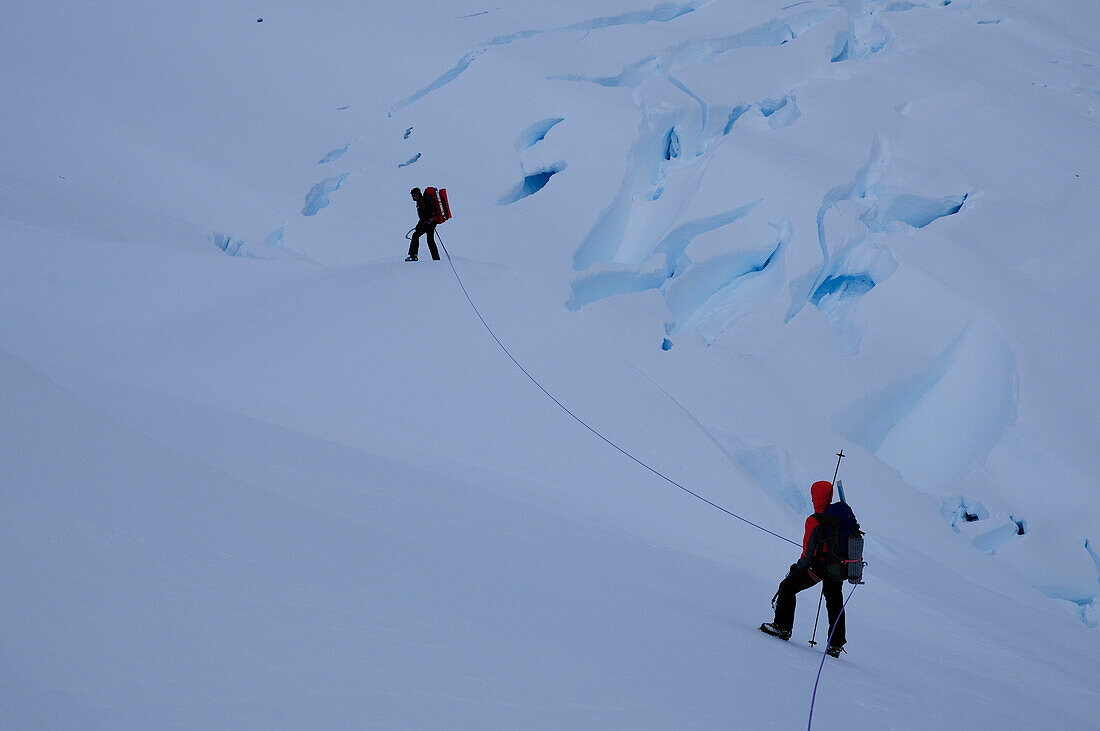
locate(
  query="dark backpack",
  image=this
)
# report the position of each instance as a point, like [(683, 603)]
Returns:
[(838, 546)]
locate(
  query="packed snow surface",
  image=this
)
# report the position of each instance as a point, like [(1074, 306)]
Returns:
[(258, 471)]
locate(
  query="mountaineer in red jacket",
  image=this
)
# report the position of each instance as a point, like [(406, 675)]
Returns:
[(806, 573)]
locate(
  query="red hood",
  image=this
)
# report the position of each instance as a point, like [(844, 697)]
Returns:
[(822, 494)]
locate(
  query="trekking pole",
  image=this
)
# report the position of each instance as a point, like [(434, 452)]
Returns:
[(814, 636)]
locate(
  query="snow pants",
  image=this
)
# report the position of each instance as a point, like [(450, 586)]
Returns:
[(800, 579), (422, 229)]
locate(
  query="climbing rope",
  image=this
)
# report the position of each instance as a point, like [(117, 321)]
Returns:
[(813, 698), (630, 456), (581, 421)]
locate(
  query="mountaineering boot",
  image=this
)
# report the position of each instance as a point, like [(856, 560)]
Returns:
[(770, 629), (411, 257), (835, 650)]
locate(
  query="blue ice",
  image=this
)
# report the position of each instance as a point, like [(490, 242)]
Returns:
[(275, 238), (532, 184), (838, 288), (735, 114), (1086, 602), (410, 161), (602, 285), (662, 13), (536, 132), (713, 287), (676, 242), (318, 196), (703, 106), (772, 468), (781, 112), (918, 211), (672, 145), (228, 244), (445, 78), (773, 33), (334, 154), (961, 509)]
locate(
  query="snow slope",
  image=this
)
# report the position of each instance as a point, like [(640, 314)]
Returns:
[(258, 471)]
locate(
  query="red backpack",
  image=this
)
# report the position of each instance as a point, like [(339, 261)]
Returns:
[(440, 205)]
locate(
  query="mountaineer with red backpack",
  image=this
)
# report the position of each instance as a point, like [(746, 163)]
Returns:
[(832, 552), (432, 208)]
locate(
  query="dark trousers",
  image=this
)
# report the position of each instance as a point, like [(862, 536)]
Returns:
[(800, 579), (421, 229)]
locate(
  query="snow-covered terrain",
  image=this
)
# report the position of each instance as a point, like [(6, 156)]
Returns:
[(259, 471)]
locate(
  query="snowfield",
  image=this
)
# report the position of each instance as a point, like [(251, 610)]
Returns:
[(257, 471)]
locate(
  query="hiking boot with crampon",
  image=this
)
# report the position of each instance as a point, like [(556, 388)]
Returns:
[(770, 629), (835, 650)]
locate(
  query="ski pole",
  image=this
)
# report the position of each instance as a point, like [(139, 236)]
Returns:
[(840, 488), (814, 636)]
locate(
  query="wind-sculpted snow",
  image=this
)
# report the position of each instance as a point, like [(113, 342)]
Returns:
[(865, 35), (710, 296), (318, 196), (675, 244), (228, 244), (988, 543), (701, 51), (334, 154), (270, 249), (782, 112), (532, 183), (772, 468), (937, 426), (638, 243), (1086, 602), (864, 211), (662, 13), (667, 259), (445, 78), (773, 33), (838, 289), (664, 168), (961, 509), (536, 133), (536, 177), (672, 145), (615, 279), (912, 210), (735, 114), (706, 296), (275, 238)]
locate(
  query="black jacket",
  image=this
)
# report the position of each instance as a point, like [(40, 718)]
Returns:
[(425, 211)]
